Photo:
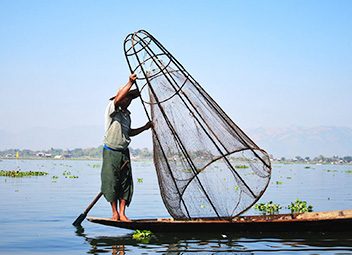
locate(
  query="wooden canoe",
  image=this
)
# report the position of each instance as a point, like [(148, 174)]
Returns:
[(330, 221)]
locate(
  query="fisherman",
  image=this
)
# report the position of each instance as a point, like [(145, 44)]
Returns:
[(116, 173)]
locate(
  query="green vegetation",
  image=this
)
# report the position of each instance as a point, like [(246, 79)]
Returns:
[(316, 160), (296, 207), (268, 208), (331, 171), (279, 182), (17, 173), (68, 174), (300, 207), (142, 236), (241, 166), (348, 171), (140, 180), (94, 165)]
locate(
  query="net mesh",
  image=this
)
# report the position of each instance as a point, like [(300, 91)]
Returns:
[(206, 165)]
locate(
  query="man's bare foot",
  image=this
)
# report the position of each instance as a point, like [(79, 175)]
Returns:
[(124, 218), (116, 217)]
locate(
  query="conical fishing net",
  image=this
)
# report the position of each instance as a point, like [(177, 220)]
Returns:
[(206, 165)]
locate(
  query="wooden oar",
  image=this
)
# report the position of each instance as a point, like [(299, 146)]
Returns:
[(81, 218)]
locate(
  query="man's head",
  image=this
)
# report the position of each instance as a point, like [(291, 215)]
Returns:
[(126, 101)]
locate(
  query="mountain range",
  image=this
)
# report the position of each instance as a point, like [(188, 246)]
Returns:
[(300, 141)]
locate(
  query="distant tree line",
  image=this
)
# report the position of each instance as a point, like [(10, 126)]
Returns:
[(319, 159), (145, 153), (95, 152)]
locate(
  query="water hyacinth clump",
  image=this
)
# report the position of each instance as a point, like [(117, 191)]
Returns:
[(68, 174), (142, 236), (18, 173), (241, 166), (300, 207), (268, 208), (94, 165)]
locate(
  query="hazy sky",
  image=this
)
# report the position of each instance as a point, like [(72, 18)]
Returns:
[(267, 63)]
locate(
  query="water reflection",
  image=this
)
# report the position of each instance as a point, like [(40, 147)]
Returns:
[(212, 243), (100, 245)]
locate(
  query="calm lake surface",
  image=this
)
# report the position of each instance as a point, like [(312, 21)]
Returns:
[(37, 212)]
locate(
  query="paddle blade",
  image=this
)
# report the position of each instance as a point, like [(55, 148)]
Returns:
[(79, 220)]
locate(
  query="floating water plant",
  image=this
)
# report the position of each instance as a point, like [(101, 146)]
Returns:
[(142, 235), (17, 173), (68, 174), (331, 171), (269, 208), (300, 207), (279, 182), (241, 166), (94, 165), (140, 180), (348, 171)]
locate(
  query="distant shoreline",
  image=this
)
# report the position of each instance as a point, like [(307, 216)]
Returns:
[(287, 162)]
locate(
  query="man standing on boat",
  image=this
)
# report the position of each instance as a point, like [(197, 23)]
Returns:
[(116, 173)]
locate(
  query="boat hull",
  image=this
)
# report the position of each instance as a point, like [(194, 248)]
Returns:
[(333, 221)]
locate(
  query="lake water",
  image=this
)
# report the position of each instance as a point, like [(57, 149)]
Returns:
[(36, 213)]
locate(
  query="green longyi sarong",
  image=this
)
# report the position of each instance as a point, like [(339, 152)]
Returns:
[(116, 183)]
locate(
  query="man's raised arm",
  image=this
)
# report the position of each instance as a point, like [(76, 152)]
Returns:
[(122, 92)]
